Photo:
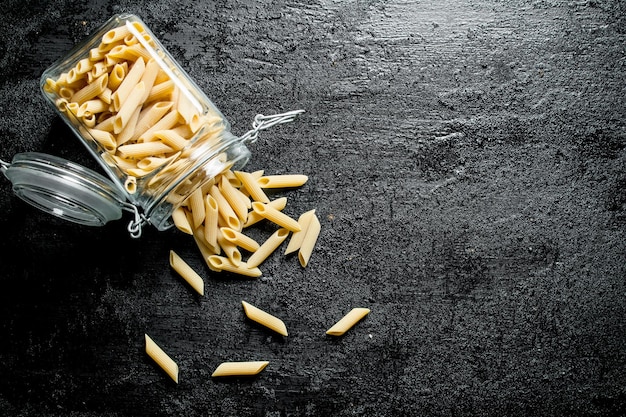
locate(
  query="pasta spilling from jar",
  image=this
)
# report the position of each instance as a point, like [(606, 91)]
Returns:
[(217, 214)]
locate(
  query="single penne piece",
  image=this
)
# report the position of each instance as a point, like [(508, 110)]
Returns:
[(264, 318), (187, 272), (128, 107), (296, 239), (142, 150), (116, 76), (239, 368), (232, 195), (205, 249), (230, 250), (90, 90), (150, 163), (196, 206), (253, 217), (267, 248), (239, 239), (161, 358), (222, 263), (125, 89), (276, 216), (282, 181), (210, 220), (224, 209), (83, 66), (249, 182), (186, 107), (179, 217), (138, 50), (115, 34), (348, 321), (308, 243)]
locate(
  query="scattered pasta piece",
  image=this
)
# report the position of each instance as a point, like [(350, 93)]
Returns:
[(308, 243), (239, 368), (348, 321), (187, 272), (161, 358), (264, 318)]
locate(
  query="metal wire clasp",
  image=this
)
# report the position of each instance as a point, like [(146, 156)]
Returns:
[(135, 226), (262, 122)]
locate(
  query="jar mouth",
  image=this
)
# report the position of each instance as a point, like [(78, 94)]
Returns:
[(205, 164)]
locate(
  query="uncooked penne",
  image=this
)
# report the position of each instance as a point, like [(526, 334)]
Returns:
[(179, 217), (268, 247), (348, 321), (276, 216), (296, 239), (264, 318), (210, 220), (196, 205), (131, 79), (236, 202), (90, 90), (224, 208), (239, 239), (161, 358), (239, 368), (253, 217), (187, 272), (143, 150), (308, 243), (282, 181), (251, 185), (222, 263)]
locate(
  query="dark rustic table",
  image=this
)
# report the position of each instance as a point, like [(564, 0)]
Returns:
[(466, 159)]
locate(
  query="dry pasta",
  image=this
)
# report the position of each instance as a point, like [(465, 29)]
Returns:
[(239, 239), (276, 216), (298, 237), (264, 318), (187, 272), (161, 358), (249, 182), (310, 238), (267, 248), (239, 368), (348, 321), (282, 181), (221, 263)]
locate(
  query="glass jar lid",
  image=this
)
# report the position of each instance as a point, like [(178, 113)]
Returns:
[(65, 189)]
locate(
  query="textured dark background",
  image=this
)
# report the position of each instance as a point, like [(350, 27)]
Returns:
[(466, 159)]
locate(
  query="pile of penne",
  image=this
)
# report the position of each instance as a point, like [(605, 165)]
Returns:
[(126, 98), (217, 214)]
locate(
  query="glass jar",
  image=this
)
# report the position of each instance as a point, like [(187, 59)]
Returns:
[(156, 135)]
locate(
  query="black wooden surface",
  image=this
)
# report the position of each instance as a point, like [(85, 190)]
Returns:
[(466, 160)]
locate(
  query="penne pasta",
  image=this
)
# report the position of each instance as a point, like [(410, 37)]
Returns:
[(235, 201), (161, 358), (187, 272), (179, 217), (196, 205), (131, 79), (298, 237), (126, 110), (251, 185), (267, 248), (230, 249), (308, 243), (210, 220), (221, 263), (143, 150), (90, 90), (239, 239), (253, 217), (348, 321), (239, 368), (282, 181), (264, 318), (275, 216), (224, 209)]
